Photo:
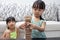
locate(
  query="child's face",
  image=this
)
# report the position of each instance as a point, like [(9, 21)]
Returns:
[(37, 12), (11, 24)]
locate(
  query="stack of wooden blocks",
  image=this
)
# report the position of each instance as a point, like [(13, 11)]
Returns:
[(28, 30)]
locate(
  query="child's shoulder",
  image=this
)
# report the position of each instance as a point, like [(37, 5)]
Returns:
[(7, 31), (16, 28), (43, 20)]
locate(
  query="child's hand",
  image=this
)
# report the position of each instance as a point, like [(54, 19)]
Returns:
[(7, 34), (22, 26), (32, 26)]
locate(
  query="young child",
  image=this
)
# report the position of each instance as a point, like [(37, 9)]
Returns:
[(37, 23), (11, 32)]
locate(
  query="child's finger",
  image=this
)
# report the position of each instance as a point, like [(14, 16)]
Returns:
[(22, 26)]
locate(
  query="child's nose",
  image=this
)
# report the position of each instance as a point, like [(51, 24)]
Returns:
[(36, 11), (11, 22)]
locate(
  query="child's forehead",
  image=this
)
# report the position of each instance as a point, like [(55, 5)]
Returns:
[(11, 21)]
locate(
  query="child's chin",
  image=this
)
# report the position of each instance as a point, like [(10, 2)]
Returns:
[(37, 16)]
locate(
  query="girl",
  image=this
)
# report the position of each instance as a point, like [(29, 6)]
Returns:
[(39, 27), (12, 32), (37, 23)]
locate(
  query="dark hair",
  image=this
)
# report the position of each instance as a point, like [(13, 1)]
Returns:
[(10, 19), (39, 4)]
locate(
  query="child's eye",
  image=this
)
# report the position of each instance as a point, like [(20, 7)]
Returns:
[(35, 9), (39, 9), (13, 21), (9, 21)]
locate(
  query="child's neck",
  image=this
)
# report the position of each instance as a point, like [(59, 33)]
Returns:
[(13, 29), (36, 18)]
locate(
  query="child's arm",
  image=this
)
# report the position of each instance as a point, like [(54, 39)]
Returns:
[(18, 32), (5, 35), (42, 28), (22, 26)]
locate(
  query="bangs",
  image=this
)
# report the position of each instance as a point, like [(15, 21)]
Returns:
[(35, 5), (10, 19), (39, 5)]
